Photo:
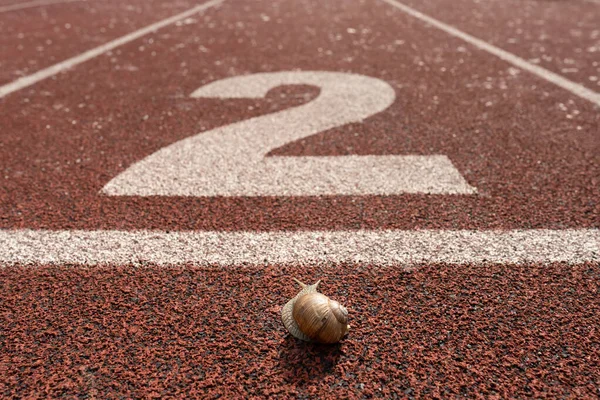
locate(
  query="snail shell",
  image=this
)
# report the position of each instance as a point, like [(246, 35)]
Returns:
[(313, 317)]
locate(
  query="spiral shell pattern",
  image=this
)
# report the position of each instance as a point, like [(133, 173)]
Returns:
[(288, 309), (313, 317)]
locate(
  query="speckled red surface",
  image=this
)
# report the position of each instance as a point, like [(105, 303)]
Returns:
[(490, 331), (64, 139), (562, 36), (436, 331), (38, 37)]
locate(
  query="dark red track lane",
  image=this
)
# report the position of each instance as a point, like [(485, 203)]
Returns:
[(562, 36), (530, 148), (35, 38), (447, 331), (533, 166), (12, 2)]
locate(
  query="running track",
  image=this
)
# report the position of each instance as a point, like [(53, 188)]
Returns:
[(167, 167)]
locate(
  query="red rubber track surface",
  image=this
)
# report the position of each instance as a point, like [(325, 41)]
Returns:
[(436, 331), (37, 37), (562, 36), (12, 2), (530, 148), (532, 166)]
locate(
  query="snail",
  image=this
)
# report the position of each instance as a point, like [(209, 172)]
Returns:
[(313, 317)]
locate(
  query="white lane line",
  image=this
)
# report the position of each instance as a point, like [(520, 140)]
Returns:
[(31, 4), (71, 62), (379, 248), (543, 73)]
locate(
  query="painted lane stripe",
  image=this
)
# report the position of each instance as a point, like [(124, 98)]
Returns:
[(381, 248), (29, 80), (543, 73), (31, 4)]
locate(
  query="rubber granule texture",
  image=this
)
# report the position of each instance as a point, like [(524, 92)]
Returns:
[(435, 331)]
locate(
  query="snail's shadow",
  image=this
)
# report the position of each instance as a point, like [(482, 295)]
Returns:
[(303, 362)]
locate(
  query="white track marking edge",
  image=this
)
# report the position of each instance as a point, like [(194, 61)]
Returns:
[(31, 4), (45, 73), (543, 73), (376, 248)]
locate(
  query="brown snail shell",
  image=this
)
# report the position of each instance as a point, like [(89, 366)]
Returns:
[(313, 317)]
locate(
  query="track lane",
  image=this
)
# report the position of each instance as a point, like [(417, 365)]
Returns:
[(184, 331), (32, 4), (532, 166), (520, 63), (562, 36), (433, 329), (33, 39)]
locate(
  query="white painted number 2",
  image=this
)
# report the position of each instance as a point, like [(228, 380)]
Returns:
[(230, 160)]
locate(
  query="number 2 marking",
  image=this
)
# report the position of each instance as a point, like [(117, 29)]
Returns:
[(230, 160)]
